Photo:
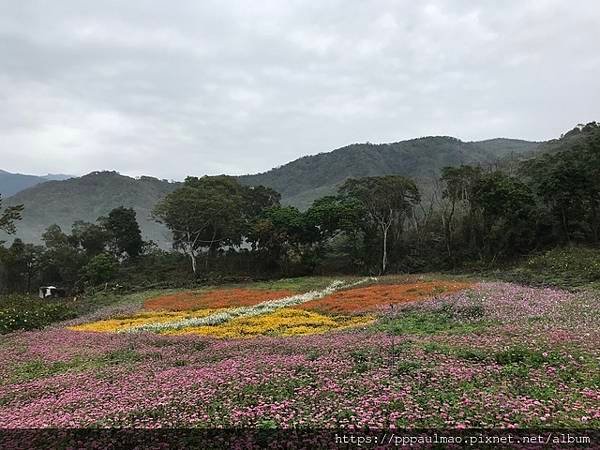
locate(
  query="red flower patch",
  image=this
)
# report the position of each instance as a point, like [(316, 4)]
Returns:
[(220, 298), (371, 297)]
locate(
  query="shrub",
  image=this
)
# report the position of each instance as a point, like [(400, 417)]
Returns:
[(19, 312), (101, 269), (527, 357), (568, 267)]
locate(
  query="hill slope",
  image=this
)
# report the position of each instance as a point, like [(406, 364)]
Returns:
[(305, 179), (300, 182), (87, 198), (11, 183)]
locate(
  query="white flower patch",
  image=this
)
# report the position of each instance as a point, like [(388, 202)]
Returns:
[(246, 311)]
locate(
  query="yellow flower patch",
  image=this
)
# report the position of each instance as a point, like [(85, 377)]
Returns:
[(283, 322), (145, 318)]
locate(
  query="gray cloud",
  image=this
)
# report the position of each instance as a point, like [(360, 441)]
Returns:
[(242, 86)]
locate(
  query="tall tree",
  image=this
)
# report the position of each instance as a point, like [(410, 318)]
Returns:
[(387, 200), (24, 264), (568, 183), (124, 230), (54, 237), (507, 211), (100, 269), (332, 215), (9, 216), (280, 232), (204, 213), (91, 237), (458, 189), (258, 198), (63, 260)]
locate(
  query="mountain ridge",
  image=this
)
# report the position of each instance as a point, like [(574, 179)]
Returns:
[(303, 180), (12, 183), (300, 181), (90, 196)]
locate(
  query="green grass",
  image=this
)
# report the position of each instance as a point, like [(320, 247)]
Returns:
[(567, 267), (428, 322), (36, 369)]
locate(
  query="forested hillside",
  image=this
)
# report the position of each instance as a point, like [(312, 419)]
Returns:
[(530, 200), (87, 198), (299, 182), (308, 178)]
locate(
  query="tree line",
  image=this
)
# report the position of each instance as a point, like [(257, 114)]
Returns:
[(89, 255), (469, 216)]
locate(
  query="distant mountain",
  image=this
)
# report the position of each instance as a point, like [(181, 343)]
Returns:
[(11, 183), (87, 198), (310, 177), (300, 182)]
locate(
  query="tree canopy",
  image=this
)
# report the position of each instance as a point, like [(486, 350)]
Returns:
[(211, 212), (387, 201), (9, 216)]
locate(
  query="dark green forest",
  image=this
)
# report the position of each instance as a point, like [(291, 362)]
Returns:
[(470, 217)]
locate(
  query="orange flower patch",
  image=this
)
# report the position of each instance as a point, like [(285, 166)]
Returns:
[(370, 298), (220, 298)]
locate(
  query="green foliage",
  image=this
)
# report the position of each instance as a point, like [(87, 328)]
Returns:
[(70, 260), (210, 212), (303, 181), (54, 237), (90, 237), (524, 357), (299, 182), (475, 216), (335, 214), (204, 212), (282, 235), (25, 312), (568, 182), (565, 267), (101, 269), (63, 260), (408, 367), (299, 284), (9, 216), (19, 312), (507, 213), (86, 198), (122, 227), (443, 320), (36, 369), (156, 268), (460, 182), (22, 263), (387, 201)]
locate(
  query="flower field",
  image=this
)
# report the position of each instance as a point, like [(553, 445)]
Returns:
[(374, 297), (486, 354), (232, 313), (238, 313), (283, 322), (221, 298)]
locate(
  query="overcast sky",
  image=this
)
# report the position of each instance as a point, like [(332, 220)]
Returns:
[(196, 87)]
